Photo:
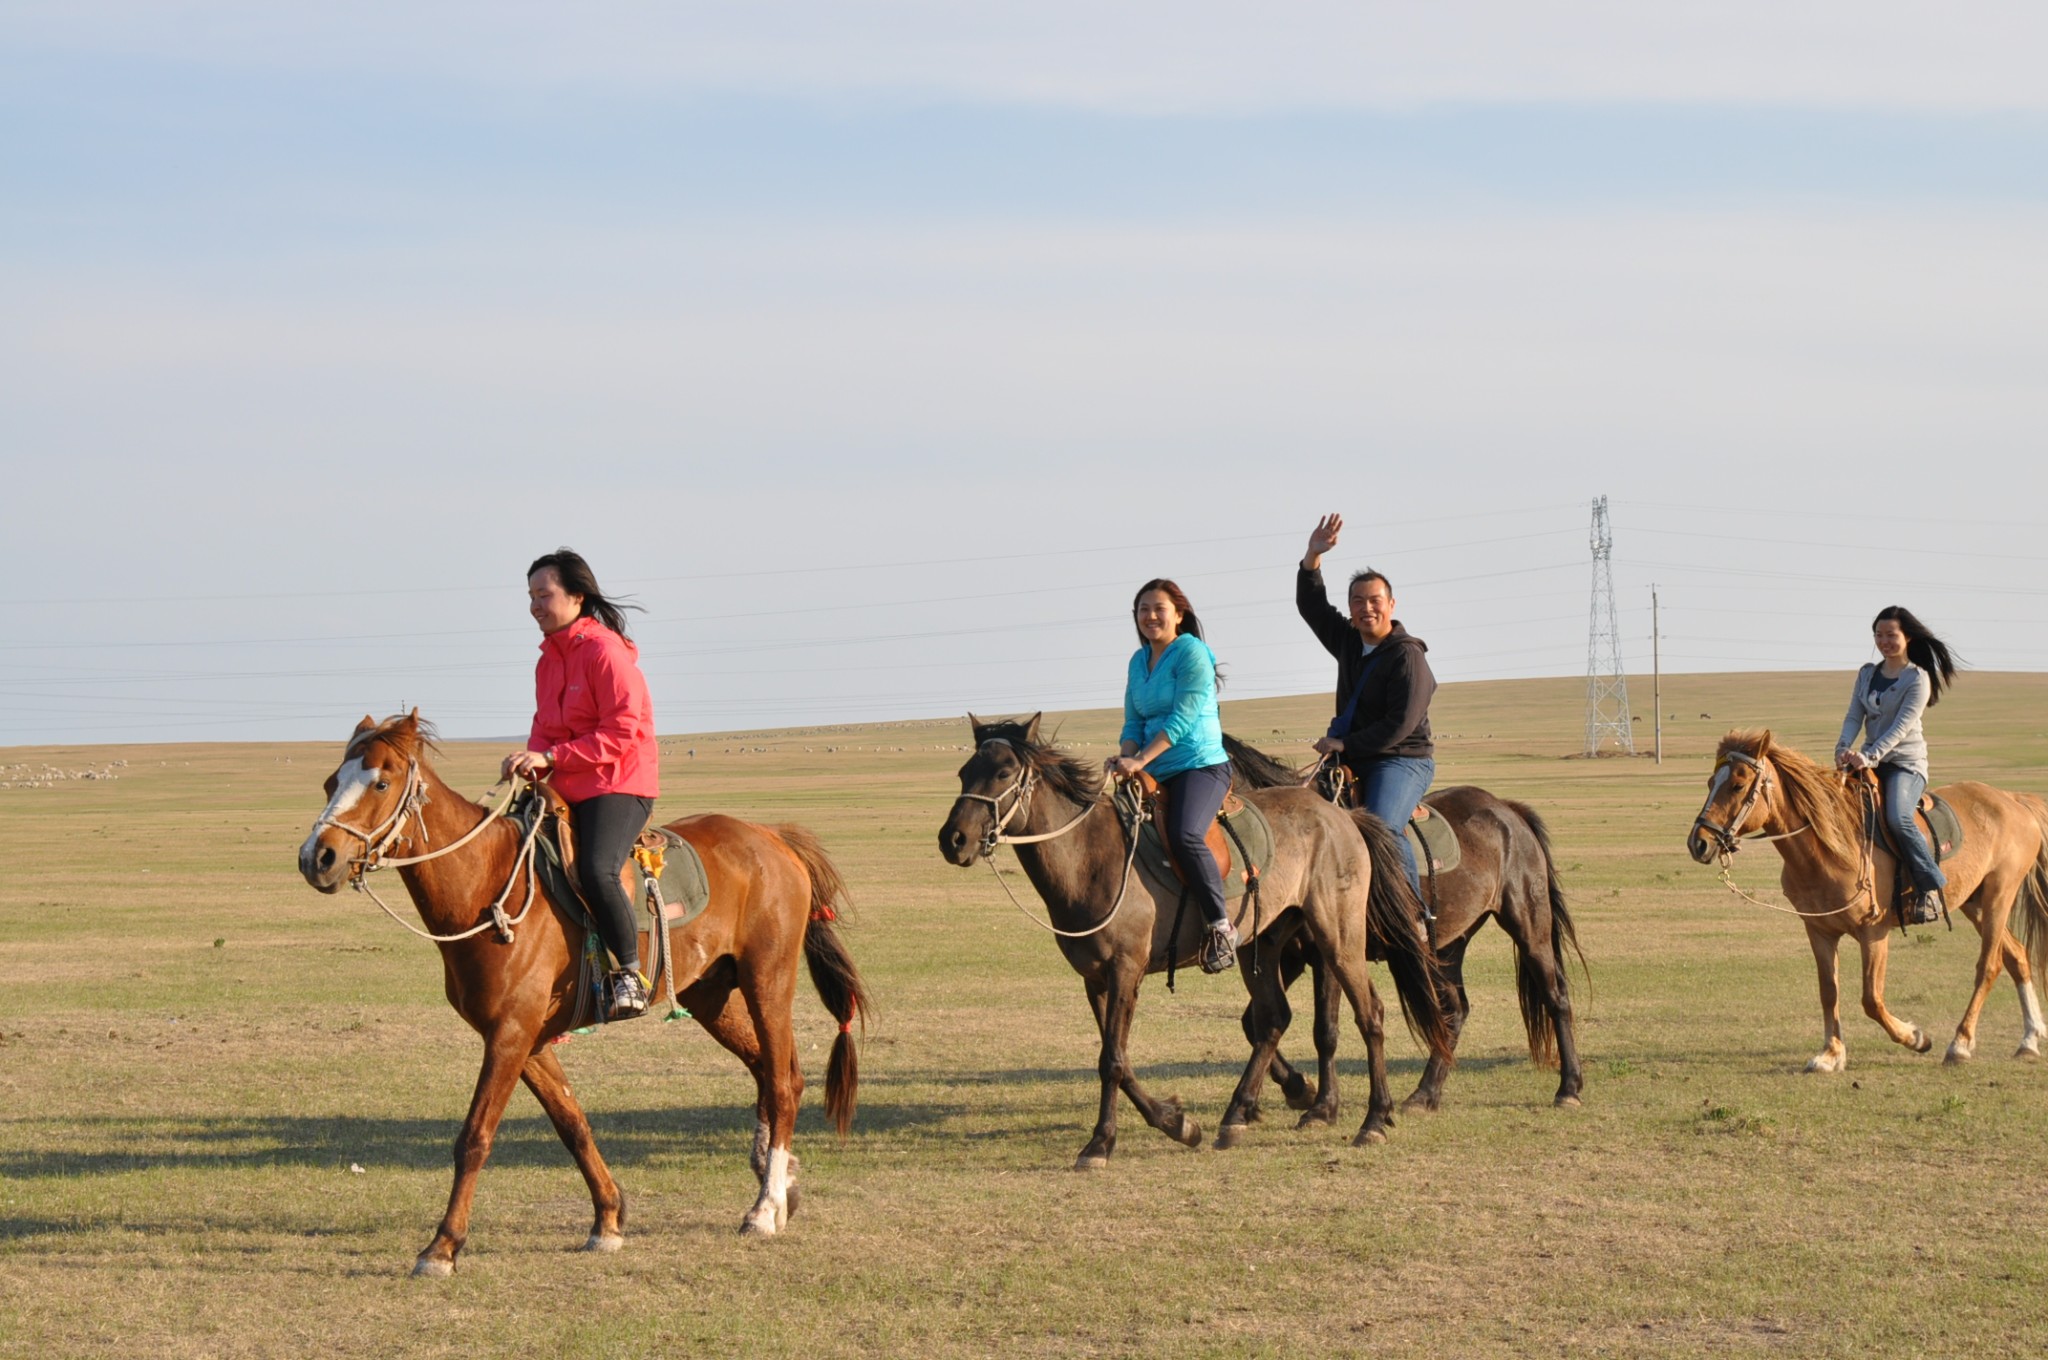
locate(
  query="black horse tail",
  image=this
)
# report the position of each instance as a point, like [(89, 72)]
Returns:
[(1529, 985), (1252, 768), (1399, 927), (832, 973)]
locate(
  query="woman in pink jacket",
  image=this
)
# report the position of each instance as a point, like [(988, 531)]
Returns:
[(593, 741)]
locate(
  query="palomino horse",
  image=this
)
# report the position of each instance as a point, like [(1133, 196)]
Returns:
[(1506, 874), (1839, 880), (1345, 893), (772, 895)]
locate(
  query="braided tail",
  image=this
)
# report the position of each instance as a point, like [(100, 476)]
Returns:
[(832, 973)]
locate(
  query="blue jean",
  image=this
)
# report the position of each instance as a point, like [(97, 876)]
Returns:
[(1193, 797), (1389, 788), (1902, 789)]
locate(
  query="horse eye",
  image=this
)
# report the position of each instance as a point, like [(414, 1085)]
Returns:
[(383, 784)]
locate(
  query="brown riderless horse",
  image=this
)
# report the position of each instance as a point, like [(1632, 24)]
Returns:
[(1839, 880), (772, 896), (1506, 874), (1344, 892)]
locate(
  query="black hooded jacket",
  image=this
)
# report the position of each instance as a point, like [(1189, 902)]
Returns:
[(1392, 718)]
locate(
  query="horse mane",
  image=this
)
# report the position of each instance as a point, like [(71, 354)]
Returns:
[(411, 740), (1814, 795), (1066, 775), (1254, 769)]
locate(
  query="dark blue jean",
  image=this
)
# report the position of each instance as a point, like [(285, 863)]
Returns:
[(1389, 788), (1193, 797), (1902, 789)]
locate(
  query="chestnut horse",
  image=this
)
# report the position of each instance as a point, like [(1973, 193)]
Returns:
[(1506, 874), (1839, 880), (772, 896), (1345, 892)]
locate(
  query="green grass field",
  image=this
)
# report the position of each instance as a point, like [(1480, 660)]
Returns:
[(229, 1101)]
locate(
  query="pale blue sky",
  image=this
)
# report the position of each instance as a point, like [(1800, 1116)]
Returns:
[(882, 350)]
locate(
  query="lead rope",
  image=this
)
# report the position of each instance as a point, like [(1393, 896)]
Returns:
[(1130, 855)]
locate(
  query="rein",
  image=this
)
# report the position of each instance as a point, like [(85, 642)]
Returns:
[(1727, 839), (998, 834), (388, 833)]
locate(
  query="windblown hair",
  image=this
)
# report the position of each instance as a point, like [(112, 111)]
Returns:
[(1814, 796), (1923, 649), (1065, 775), (579, 579)]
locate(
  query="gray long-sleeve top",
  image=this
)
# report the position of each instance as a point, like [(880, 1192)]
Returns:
[(1890, 721)]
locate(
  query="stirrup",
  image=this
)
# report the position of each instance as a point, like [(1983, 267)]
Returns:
[(625, 995), (1920, 908), (1219, 948)]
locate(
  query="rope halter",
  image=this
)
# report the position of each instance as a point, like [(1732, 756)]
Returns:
[(1727, 838)]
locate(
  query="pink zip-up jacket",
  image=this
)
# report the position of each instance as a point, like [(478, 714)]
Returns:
[(593, 715)]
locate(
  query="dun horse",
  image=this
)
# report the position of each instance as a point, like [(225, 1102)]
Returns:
[(772, 896), (1344, 892), (1839, 880), (1508, 875)]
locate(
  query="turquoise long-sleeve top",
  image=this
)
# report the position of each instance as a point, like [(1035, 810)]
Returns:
[(1177, 697)]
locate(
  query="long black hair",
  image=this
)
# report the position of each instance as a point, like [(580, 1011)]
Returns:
[(1923, 649), (579, 579)]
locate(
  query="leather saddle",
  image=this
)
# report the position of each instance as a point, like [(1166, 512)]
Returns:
[(684, 896), (1935, 818), (1216, 838)]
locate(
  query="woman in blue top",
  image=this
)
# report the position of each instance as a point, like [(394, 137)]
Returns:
[(1171, 728), (1886, 704)]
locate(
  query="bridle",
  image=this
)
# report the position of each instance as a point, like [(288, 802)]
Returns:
[(1727, 839), (389, 832), (1019, 793)]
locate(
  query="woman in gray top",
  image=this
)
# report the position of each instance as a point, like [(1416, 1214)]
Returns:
[(1886, 705)]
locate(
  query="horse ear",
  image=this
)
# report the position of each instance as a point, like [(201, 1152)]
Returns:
[(365, 725), (977, 726), (1763, 747), (1031, 727)]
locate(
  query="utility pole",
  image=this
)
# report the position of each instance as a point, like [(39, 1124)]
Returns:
[(1657, 671), (1606, 684)]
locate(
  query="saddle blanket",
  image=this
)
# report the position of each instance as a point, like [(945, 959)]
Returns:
[(685, 890), (1253, 831), (1435, 843)]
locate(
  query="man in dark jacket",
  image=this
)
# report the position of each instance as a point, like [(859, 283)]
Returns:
[(1381, 731)]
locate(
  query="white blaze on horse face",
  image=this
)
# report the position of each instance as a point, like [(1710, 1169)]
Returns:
[(351, 782)]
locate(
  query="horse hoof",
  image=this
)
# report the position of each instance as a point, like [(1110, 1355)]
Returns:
[(1313, 1118), (2029, 1052), (1419, 1104), (430, 1268), (1369, 1137), (1958, 1054), (1825, 1063), (1922, 1041), (1092, 1161), (1190, 1133), (1299, 1097), (1229, 1136), (604, 1242), (757, 1225), (1566, 1102)]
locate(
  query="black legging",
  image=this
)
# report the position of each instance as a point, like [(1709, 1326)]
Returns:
[(606, 827)]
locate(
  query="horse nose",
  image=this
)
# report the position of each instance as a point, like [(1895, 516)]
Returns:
[(1696, 844), (952, 842)]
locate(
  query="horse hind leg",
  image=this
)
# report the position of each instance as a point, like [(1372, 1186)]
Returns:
[(544, 1077), (780, 1082), (725, 1016)]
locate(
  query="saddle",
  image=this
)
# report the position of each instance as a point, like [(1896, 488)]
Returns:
[(658, 854), (1936, 820), (1216, 837), (1434, 840)]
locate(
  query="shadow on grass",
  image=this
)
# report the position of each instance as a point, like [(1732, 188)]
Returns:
[(627, 1138)]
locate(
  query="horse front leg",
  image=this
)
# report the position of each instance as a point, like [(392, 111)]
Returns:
[(1326, 1026), (1876, 953), (1372, 1017), (1114, 1000), (1834, 1055), (544, 1077), (1266, 1020), (505, 1055)]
